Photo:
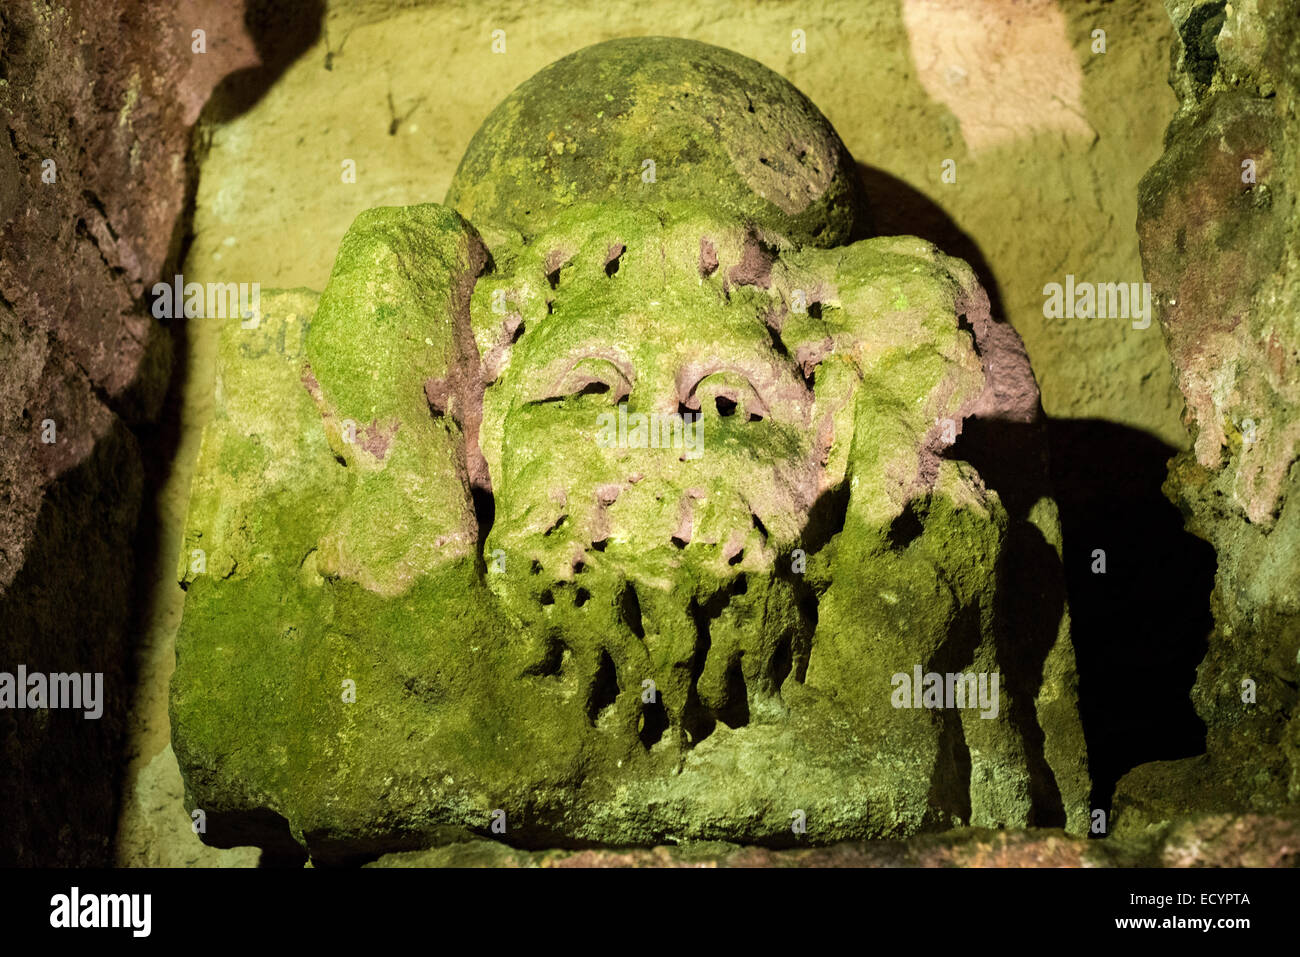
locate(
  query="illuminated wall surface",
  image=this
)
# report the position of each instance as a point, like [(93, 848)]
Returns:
[(770, 432)]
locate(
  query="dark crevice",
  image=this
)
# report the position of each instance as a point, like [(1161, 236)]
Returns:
[(906, 528), (774, 334), (782, 662), (552, 663), (92, 200), (964, 324), (1150, 610), (604, 687), (698, 721), (654, 722), (485, 510), (734, 711), (826, 518), (613, 257), (950, 787), (629, 608), (1199, 32)]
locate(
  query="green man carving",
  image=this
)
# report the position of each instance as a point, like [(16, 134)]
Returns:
[(629, 506)]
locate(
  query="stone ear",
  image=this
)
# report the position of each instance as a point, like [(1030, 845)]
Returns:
[(394, 371)]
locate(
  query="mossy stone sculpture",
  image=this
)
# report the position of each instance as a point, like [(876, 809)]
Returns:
[(621, 531)]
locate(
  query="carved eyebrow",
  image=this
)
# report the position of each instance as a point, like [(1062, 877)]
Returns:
[(563, 382), (613, 357), (693, 374)]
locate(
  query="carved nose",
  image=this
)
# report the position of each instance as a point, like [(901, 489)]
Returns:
[(686, 516)]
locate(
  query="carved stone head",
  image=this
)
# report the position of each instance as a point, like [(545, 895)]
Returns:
[(625, 509)]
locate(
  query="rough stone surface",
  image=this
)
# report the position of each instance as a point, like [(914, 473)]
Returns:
[(610, 643), (95, 117), (1210, 841), (1221, 246), (1046, 166)]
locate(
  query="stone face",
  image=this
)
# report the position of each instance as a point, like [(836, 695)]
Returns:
[(624, 530), (1218, 226), (584, 127)]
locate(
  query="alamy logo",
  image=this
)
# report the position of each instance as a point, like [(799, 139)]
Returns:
[(36, 691), (102, 910), (1105, 300), (653, 430), (213, 300), (951, 690)]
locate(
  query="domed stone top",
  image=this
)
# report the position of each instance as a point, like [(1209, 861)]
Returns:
[(658, 118)]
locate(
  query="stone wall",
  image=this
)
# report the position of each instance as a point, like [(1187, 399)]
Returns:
[(1220, 232), (96, 105)]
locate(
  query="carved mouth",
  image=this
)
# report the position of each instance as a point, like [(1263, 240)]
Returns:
[(670, 666)]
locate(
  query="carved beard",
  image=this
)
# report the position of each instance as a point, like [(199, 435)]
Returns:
[(692, 608)]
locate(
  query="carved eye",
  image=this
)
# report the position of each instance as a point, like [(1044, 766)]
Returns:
[(593, 376), (727, 395)]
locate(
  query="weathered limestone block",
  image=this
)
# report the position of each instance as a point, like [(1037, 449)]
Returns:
[(627, 532), (1220, 245)]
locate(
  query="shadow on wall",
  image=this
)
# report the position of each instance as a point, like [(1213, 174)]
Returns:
[(58, 803), (1140, 628), (898, 209), (282, 32)]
